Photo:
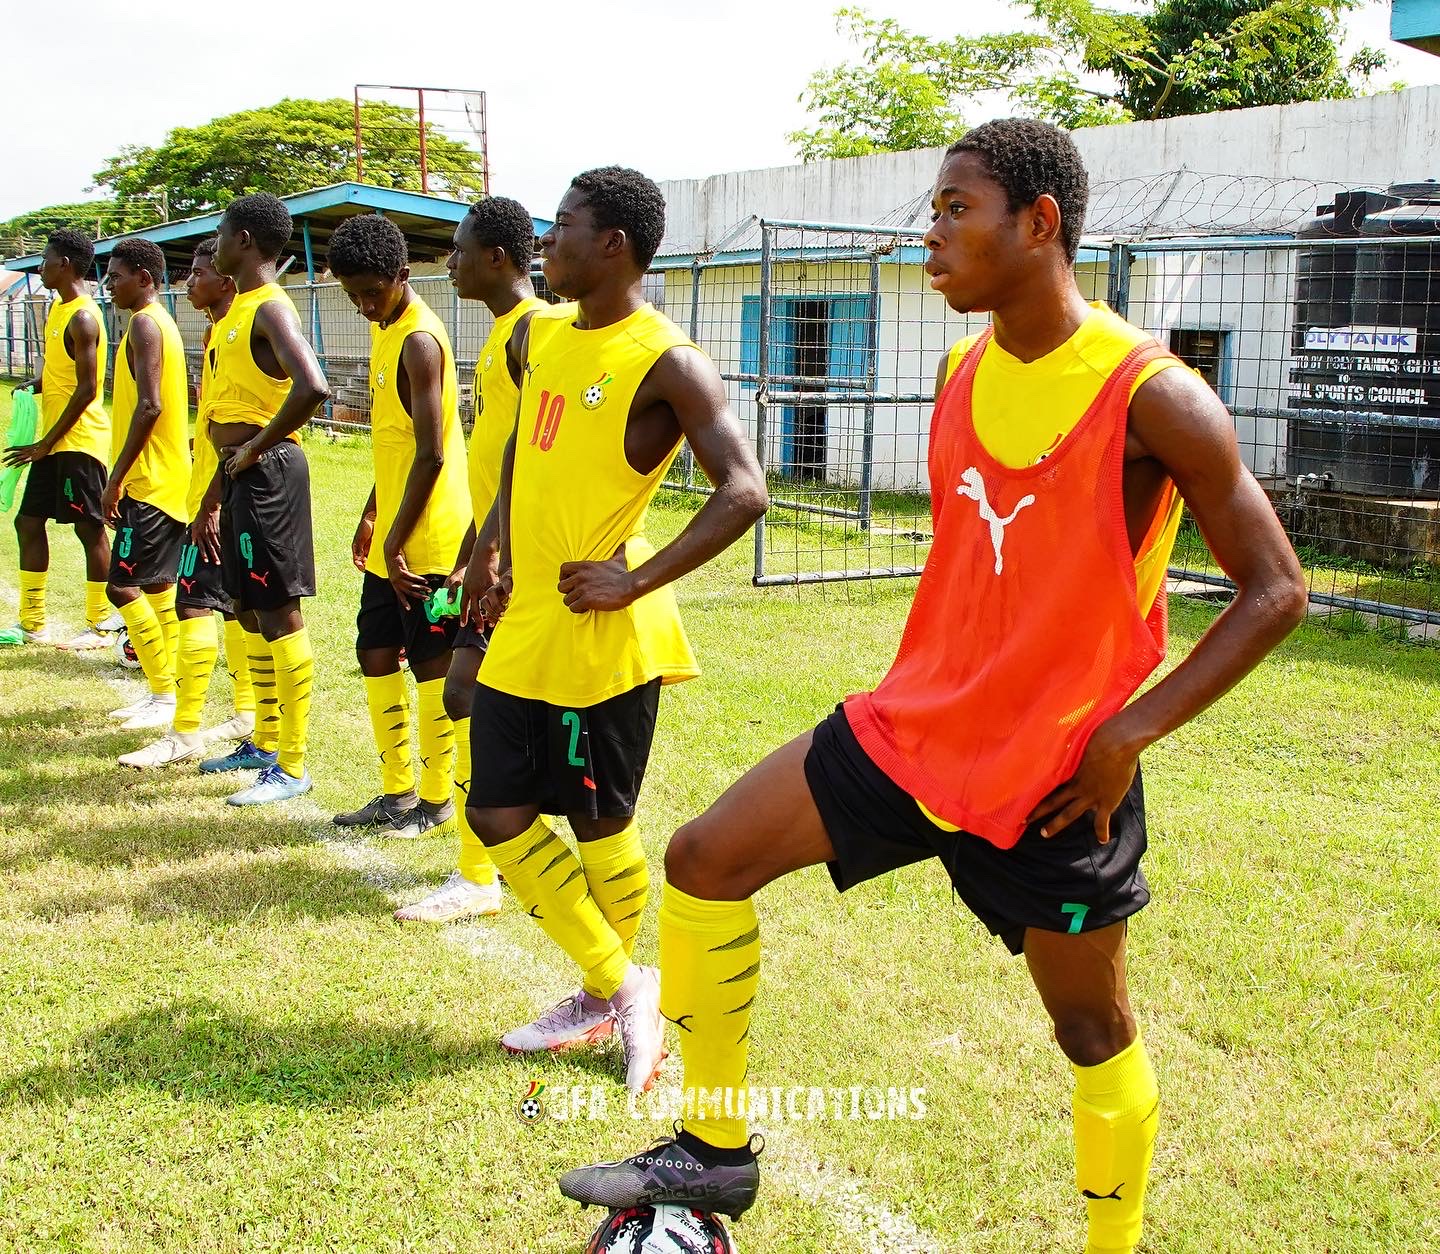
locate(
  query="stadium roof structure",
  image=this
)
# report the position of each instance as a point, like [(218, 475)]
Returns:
[(428, 223)]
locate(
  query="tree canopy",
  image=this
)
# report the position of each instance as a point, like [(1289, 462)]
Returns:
[(1175, 57), (285, 148)]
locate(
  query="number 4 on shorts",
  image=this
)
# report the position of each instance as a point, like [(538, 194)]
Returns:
[(1077, 915)]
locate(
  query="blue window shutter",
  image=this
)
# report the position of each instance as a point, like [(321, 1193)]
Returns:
[(749, 337)]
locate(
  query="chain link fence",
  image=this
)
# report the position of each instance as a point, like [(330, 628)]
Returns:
[(828, 339)]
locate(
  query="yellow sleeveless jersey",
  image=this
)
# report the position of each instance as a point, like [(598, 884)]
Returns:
[(91, 432), (574, 497), (204, 460), (435, 540), (495, 399), (160, 476), (1022, 410), (239, 391)]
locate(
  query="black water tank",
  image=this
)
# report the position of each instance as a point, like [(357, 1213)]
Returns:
[(1366, 380)]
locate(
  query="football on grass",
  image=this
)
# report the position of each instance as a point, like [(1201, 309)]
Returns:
[(660, 1230)]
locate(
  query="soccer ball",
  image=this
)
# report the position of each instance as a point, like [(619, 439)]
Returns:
[(593, 395), (531, 1110), (125, 651), (665, 1229)]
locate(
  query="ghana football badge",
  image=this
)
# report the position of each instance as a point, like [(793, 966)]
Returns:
[(380, 378), (594, 396), (234, 331), (531, 1109), (489, 361)]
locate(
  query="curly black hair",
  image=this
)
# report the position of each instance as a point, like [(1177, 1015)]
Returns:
[(499, 222), (367, 244), (141, 254), (1031, 159), (265, 217), (75, 246), (206, 248), (623, 198)]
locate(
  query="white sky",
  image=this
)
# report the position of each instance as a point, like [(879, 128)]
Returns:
[(674, 89)]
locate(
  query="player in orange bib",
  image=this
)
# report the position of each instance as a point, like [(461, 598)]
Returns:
[(1003, 740), (566, 703), (68, 462)]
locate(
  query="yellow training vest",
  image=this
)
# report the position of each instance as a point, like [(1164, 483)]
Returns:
[(495, 398), (204, 460), (160, 476), (239, 391), (575, 498), (91, 431), (432, 546)]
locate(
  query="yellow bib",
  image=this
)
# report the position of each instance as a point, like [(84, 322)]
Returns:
[(160, 476), (495, 399), (239, 391), (432, 546), (91, 431), (204, 460), (575, 498), (1024, 409)]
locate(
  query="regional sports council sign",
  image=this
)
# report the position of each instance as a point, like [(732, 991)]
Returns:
[(1365, 368)]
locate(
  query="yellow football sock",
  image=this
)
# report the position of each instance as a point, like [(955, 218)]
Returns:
[(32, 599), (548, 880), (266, 735), (436, 737), (97, 604), (475, 864), (709, 971), (390, 725), (1117, 1110), (294, 678), (163, 603), (199, 647), (237, 663), (149, 644), (619, 880)]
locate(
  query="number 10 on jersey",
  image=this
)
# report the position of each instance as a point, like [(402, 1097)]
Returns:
[(547, 420)]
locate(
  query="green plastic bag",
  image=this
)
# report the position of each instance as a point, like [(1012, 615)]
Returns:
[(24, 418)]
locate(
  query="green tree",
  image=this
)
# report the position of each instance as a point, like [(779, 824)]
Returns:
[(1205, 56), (1182, 56), (290, 147), (26, 232)]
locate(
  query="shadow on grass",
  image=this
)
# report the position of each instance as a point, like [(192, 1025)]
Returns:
[(199, 1051), (280, 889)]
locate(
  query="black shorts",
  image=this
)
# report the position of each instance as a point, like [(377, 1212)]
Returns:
[(66, 487), (267, 552), (1069, 882), (588, 761), (199, 584), (146, 548), (469, 636), (382, 624)]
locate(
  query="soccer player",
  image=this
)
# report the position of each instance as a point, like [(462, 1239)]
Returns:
[(198, 581), (144, 497), (410, 530), (266, 384), (565, 707), (490, 263), (1001, 740), (68, 462)]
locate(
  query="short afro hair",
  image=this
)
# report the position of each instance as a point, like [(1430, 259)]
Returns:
[(499, 222), (75, 246), (265, 217), (141, 254), (617, 197), (1031, 159), (206, 248), (367, 244)]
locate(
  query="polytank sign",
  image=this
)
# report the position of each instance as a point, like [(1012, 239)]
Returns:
[(1362, 339)]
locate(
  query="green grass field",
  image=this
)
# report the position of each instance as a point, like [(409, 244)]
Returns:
[(214, 1037)]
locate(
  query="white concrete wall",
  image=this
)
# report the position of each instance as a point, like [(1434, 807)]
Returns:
[(1371, 141)]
